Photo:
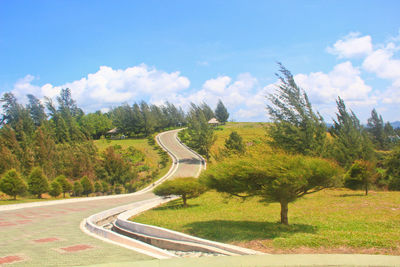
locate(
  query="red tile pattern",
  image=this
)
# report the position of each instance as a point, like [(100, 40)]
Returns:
[(46, 240), (10, 259), (76, 248)]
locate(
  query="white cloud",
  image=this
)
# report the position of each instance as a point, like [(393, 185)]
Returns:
[(109, 87), (344, 81), (352, 46)]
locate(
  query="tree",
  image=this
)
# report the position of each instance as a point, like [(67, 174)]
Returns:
[(186, 188), (55, 189), (37, 182), (221, 113), (36, 110), (201, 134), (275, 178), (392, 164), (105, 187), (65, 185), (375, 127), (207, 111), (350, 142), (87, 186), (97, 187), (296, 128), (77, 189), (12, 184), (359, 175), (235, 143)]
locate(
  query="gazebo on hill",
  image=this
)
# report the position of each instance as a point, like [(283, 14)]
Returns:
[(213, 122)]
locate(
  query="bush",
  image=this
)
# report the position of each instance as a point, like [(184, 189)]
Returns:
[(37, 182), (186, 188), (77, 189), (97, 187), (87, 186), (104, 187), (55, 189), (118, 189), (12, 184), (65, 185)]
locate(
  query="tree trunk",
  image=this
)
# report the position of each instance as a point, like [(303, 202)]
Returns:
[(39, 196), (284, 213), (366, 189), (184, 200), (15, 197), (63, 194)]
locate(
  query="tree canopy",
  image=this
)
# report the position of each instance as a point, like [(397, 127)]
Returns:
[(186, 188), (274, 177), (296, 128), (221, 113)]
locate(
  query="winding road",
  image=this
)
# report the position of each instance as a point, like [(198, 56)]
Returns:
[(48, 233)]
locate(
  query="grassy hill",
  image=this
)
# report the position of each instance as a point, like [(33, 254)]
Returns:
[(330, 221)]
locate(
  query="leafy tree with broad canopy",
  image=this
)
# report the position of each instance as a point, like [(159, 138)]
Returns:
[(186, 188), (37, 182), (221, 113), (296, 128), (275, 178), (12, 184)]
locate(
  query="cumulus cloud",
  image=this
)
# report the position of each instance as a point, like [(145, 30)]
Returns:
[(351, 46), (344, 81), (109, 87)]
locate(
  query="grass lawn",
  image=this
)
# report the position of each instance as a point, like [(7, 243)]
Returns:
[(253, 134), (330, 221)]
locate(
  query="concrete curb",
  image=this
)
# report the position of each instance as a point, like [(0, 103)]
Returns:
[(163, 233), (90, 227)]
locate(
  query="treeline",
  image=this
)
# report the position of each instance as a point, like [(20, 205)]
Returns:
[(57, 137)]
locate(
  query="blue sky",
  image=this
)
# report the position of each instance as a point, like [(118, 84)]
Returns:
[(109, 52)]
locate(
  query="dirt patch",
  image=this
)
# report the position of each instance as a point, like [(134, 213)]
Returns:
[(260, 245)]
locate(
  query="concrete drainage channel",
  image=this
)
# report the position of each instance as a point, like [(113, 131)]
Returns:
[(114, 227)]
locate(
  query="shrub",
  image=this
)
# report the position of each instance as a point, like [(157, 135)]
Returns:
[(55, 189), (12, 184), (77, 189), (37, 182)]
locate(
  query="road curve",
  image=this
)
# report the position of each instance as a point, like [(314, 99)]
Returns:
[(48, 233)]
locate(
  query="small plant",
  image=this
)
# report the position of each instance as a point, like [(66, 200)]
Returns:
[(12, 184), (77, 189), (65, 185), (87, 186), (37, 182), (55, 189)]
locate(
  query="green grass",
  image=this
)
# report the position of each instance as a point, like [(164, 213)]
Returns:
[(340, 218), (253, 134)]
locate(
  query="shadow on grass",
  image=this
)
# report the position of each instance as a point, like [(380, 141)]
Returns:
[(227, 231), (176, 204), (351, 195)]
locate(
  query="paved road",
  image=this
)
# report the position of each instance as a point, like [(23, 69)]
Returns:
[(50, 235)]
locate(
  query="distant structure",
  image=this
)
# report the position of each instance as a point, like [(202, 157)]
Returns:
[(213, 122), (114, 134)]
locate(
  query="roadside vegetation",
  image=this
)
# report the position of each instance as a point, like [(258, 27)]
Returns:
[(294, 159), (329, 221)]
